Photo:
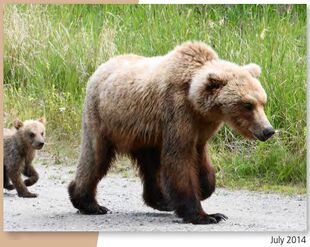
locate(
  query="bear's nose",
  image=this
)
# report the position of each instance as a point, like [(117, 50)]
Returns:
[(268, 132)]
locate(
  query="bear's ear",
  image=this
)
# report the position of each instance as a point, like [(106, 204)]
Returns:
[(42, 120), (253, 69), (215, 81), (18, 124)]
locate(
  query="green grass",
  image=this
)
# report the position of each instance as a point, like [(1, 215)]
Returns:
[(51, 50)]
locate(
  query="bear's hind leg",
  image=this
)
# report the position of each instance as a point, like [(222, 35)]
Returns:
[(96, 157), (148, 162), (6, 181)]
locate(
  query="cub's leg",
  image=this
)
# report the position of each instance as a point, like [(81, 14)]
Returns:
[(14, 173), (148, 161), (6, 181), (32, 175)]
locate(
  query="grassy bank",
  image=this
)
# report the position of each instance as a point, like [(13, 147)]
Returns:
[(51, 50)]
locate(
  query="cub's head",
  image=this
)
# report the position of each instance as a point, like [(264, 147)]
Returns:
[(32, 132), (224, 91)]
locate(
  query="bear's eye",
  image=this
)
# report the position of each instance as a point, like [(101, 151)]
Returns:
[(42, 133), (248, 106), (31, 135)]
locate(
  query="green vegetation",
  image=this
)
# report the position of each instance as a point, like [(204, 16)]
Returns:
[(51, 50)]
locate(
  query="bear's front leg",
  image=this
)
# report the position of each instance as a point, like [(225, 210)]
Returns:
[(180, 176), (31, 173), (180, 184), (18, 183), (206, 172)]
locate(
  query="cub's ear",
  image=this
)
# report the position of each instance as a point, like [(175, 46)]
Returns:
[(253, 69), (215, 81), (42, 120), (18, 124)]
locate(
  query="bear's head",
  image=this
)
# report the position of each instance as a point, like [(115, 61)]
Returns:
[(224, 91), (32, 132)]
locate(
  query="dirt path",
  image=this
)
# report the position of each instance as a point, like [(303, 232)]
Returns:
[(52, 210)]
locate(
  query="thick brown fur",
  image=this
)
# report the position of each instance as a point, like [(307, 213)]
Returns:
[(161, 111), (20, 145)]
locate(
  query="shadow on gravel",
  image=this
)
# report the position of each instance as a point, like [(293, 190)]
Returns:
[(143, 214), (5, 194)]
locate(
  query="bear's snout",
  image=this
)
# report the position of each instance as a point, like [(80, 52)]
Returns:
[(39, 145), (265, 134), (268, 132)]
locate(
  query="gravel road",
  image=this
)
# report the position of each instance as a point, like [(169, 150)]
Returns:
[(52, 210)]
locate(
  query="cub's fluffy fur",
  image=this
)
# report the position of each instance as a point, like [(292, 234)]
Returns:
[(20, 145)]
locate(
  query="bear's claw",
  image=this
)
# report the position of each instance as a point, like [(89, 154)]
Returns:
[(206, 219), (218, 217)]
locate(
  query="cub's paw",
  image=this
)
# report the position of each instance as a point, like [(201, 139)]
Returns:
[(9, 187), (28, 195), (28, 182)]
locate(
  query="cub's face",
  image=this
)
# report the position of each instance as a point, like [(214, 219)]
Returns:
[(233, 94), (32, 131)]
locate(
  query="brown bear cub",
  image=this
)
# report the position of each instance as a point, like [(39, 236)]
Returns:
[(161, 112), (20, 145)]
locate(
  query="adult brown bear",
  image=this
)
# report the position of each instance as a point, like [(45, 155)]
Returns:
[(161, 111)]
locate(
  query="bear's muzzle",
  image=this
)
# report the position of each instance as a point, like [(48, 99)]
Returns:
[(265, 134)]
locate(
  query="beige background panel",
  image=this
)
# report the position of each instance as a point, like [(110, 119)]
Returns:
[(48, 239), (78, 239)]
